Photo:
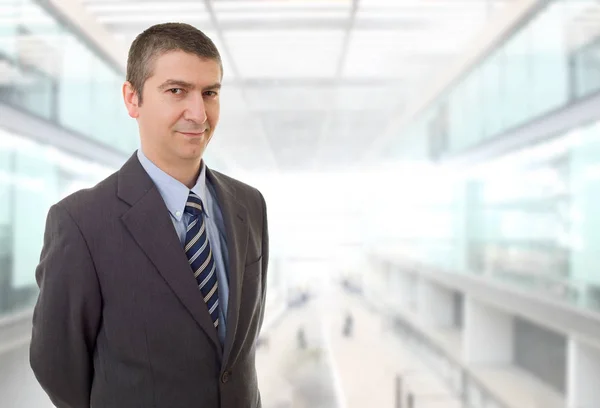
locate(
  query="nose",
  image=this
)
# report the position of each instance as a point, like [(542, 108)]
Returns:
[(195, 110)]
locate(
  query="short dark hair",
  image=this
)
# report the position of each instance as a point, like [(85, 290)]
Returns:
[(160, 39)]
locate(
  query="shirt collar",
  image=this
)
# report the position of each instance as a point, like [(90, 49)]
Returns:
[(173, 192)]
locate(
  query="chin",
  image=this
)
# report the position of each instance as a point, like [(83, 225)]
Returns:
[(191, 152)]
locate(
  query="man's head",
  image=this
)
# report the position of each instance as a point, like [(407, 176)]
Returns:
[(174, 74)]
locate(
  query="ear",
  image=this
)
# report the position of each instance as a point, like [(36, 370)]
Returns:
[(131, 99)]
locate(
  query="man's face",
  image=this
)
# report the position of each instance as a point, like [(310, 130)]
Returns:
[(180, 107)]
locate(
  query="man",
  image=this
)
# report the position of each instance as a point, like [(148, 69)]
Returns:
[(152, 283)]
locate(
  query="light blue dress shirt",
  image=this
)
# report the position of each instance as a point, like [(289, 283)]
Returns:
[(175, 195)]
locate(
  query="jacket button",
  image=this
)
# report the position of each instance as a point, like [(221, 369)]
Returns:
[(225, 377)]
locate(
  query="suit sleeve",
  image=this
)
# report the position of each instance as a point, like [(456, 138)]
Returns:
[(265, 258), (67, 313)]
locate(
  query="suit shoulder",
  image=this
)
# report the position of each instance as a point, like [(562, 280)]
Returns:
[(240, 187), (89, 200)]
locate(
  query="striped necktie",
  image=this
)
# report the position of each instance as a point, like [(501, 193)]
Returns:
[(200, 256)]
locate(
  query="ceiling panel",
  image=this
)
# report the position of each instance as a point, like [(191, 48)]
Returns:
[(328, 95), (349, 125), (123, 13), (289, 5), (121, 22), (399, 54), (285, 54), (301, 98), (433, 4), (282, 14), (288, 15), (346, 135), (316, 82), (385, 98), (99, 7)]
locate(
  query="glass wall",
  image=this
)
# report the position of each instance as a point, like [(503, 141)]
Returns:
[(32, 178), (528, 219), (48, 70), (551, 61), (522, 225)]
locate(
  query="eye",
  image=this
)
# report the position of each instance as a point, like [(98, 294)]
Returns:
[(176, 91), (210, 93)]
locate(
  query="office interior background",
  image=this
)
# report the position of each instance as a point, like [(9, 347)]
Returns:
[(431, 170)]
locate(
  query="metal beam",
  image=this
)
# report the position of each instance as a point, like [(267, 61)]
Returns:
[(74, 14), (346, 42), (45, 132)]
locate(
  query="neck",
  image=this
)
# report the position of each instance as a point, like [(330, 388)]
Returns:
[(185, 174), (184, 171)]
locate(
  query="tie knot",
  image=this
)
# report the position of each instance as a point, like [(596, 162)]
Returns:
[(193, 205)]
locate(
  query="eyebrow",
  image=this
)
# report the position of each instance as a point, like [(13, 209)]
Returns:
[(183, 84)]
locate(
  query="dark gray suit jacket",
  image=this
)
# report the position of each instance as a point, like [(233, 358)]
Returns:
[(120, 322)]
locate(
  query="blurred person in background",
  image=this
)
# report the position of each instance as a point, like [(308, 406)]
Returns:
[(348, 325), (152, 283)]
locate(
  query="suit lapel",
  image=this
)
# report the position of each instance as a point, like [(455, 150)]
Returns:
[(236, 229), (149, 222)]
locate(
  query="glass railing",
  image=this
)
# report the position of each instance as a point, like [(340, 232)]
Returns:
[(459, 379)]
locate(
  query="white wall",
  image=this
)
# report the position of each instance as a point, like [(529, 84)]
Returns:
[(583, 375), (435, 304), (488, 334)]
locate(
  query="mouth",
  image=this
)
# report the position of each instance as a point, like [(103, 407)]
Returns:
[(193, 134)]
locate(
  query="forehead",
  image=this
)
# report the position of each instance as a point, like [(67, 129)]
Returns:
[(185, 66)]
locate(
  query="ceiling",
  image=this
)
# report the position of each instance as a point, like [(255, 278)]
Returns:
[(310, 83)]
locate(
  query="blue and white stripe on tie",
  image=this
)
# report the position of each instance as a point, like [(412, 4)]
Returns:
[(200, 257)]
